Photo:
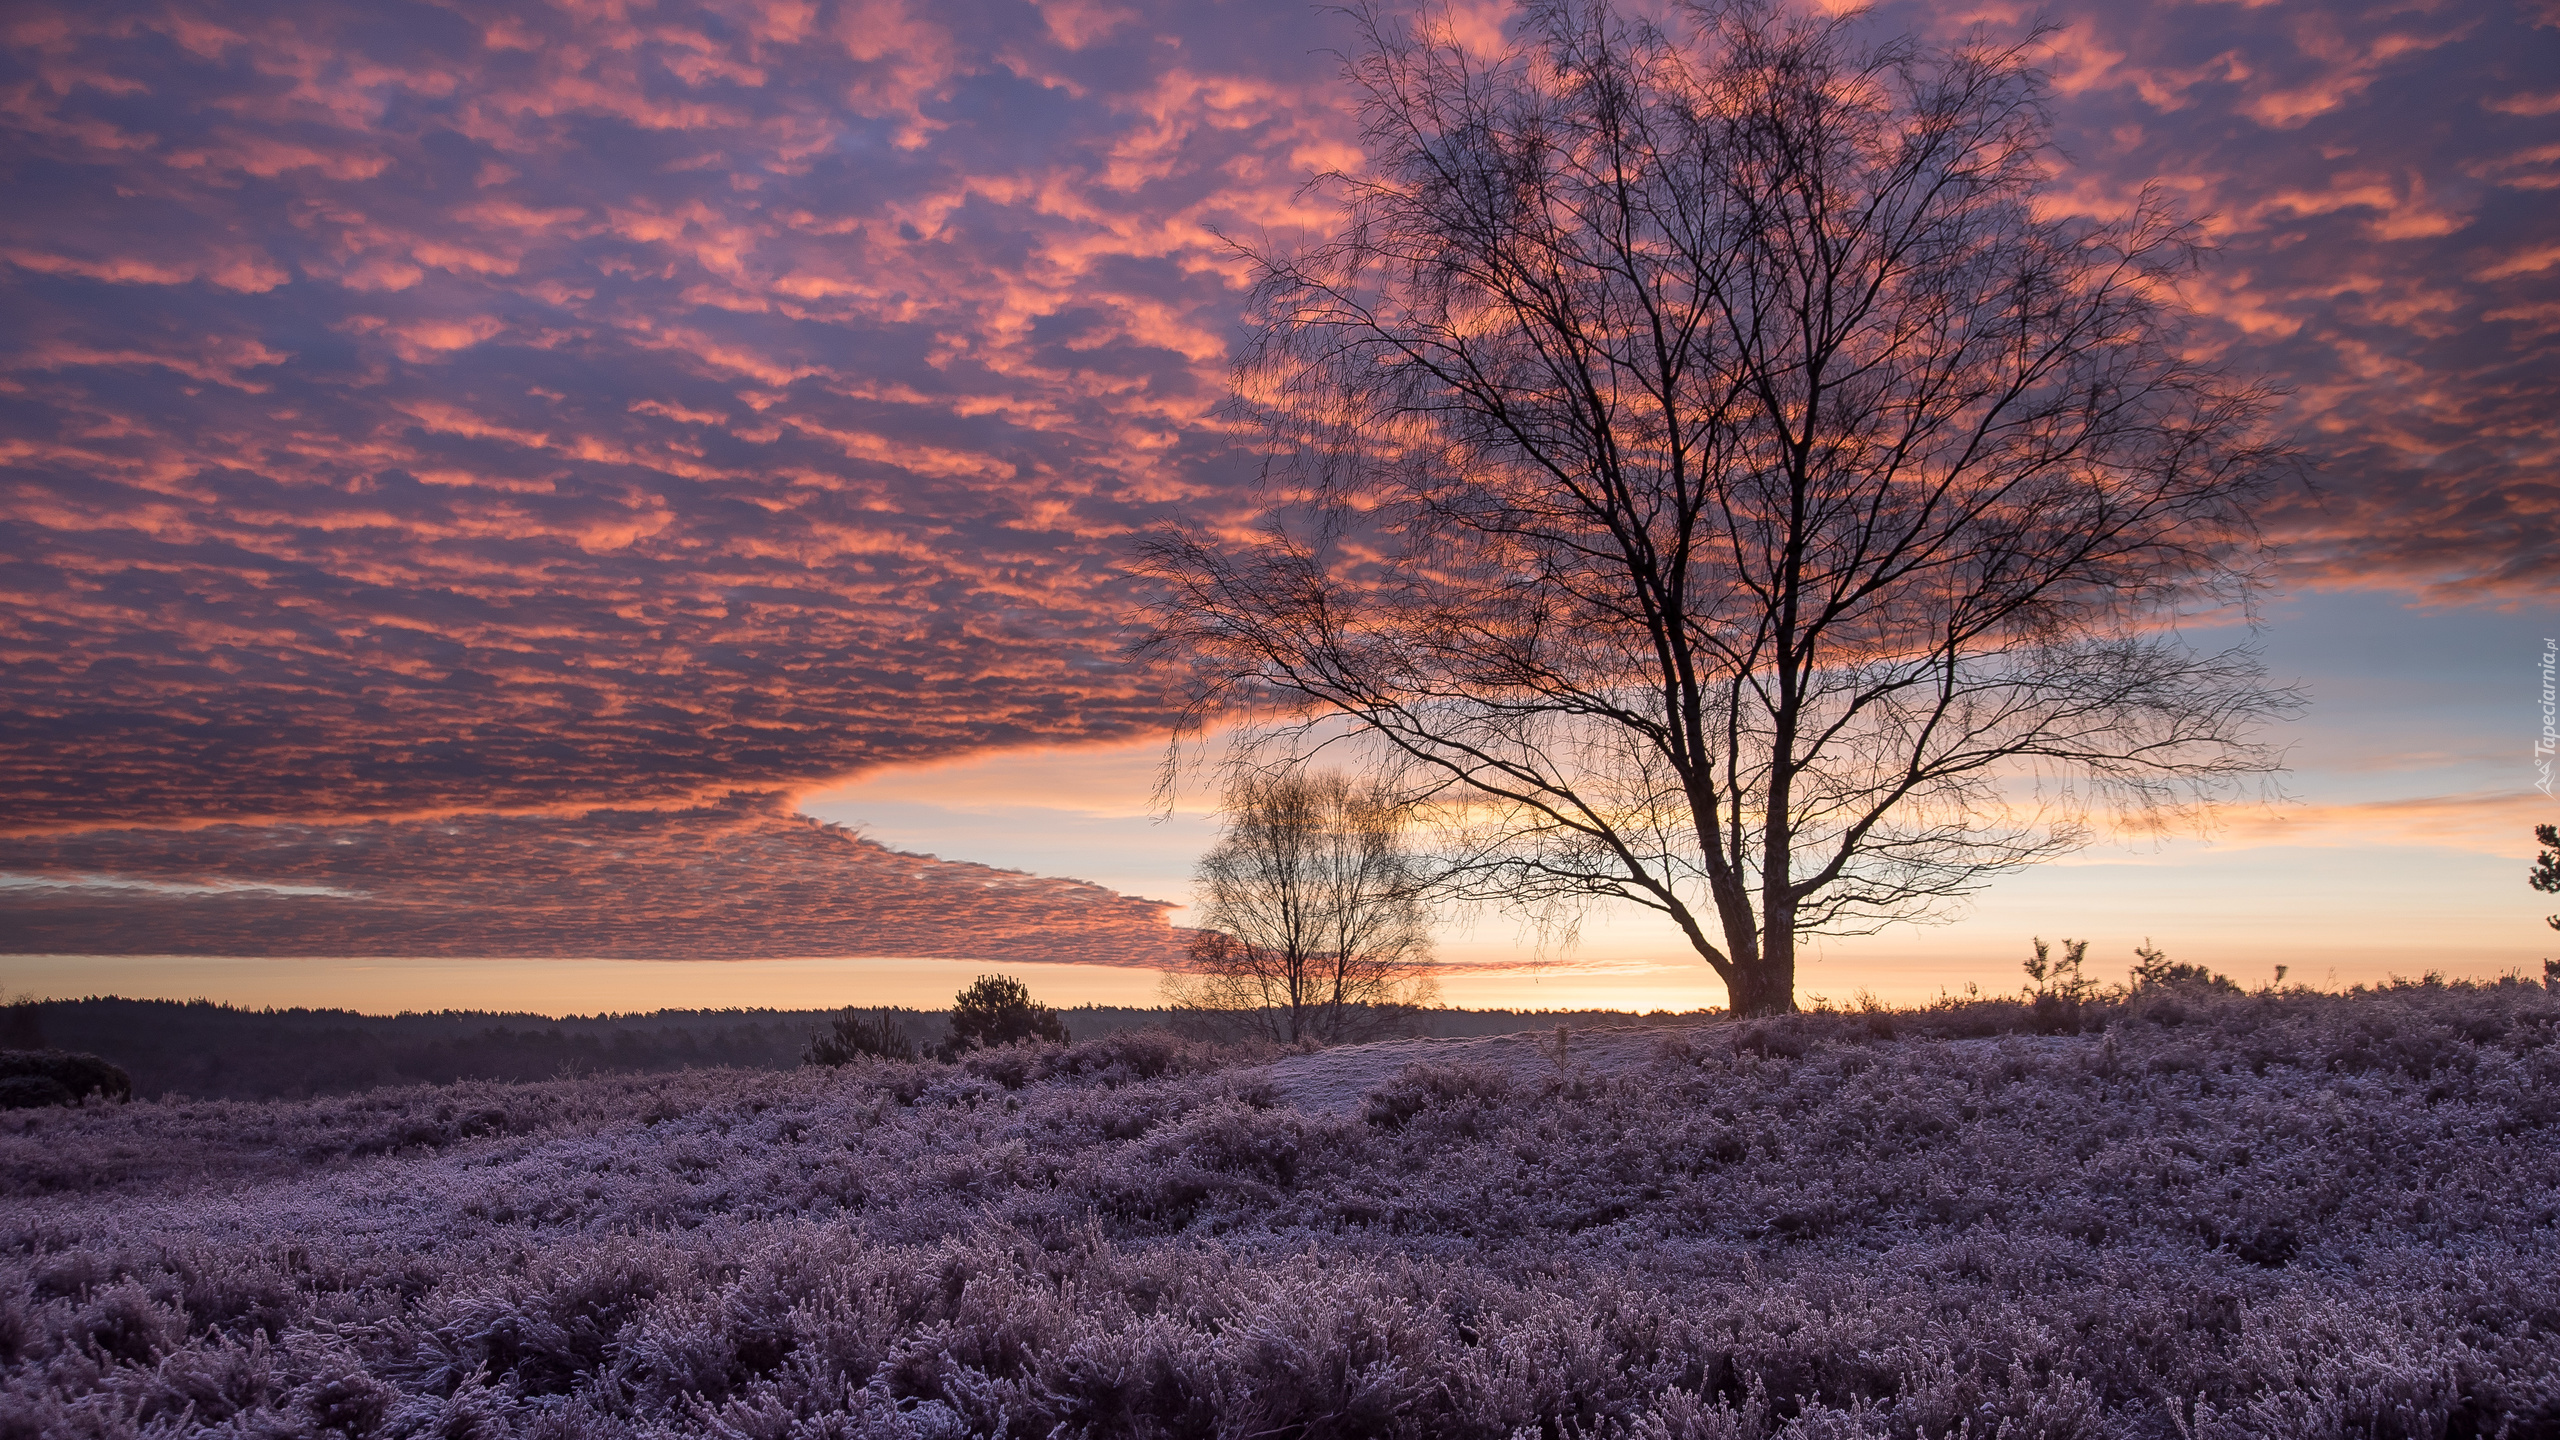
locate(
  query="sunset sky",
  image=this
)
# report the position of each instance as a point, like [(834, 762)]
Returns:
[(505, 504)]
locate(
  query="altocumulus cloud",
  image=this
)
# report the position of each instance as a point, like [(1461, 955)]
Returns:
[(415, 406), (2378, 183), (738, 880), (415, 410)]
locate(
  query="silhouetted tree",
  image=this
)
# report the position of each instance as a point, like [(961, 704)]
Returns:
[(2153, 967), (2059, 988), (2545, 875), (1313, 911), (1716, 468), (999, 1010), (2061, 978), (854, 1034)]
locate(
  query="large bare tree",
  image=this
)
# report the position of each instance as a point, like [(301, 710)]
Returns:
[(1723, 477), (1314, 924)]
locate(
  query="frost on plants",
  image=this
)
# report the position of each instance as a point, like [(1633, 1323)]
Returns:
[(2271, 1214)]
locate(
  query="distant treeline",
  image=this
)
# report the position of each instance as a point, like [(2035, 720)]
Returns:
[(209, 1051), (214, 1051)]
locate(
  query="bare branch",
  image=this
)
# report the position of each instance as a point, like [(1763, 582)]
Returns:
[(1717, 486)]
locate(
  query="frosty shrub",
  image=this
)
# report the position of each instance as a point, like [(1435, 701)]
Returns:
[(2284, 1214), (1114, 1059), (1421, 1087)]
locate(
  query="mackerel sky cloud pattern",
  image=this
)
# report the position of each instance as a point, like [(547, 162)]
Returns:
[(737, 880), (415, 410), (2382, 184), (413, 406)]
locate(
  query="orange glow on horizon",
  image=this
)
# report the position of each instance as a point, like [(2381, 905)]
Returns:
[(480, 469)]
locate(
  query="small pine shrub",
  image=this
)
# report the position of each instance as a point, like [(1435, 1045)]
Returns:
[(998, 1010), (2061, 992), (2155, 970)]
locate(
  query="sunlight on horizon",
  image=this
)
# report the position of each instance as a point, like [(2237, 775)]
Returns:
[(2399, 859)]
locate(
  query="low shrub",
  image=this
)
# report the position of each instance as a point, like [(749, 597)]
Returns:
[(1130, 1055), (2154, 970), (1011, 1066), (1787, 1038), (30, 1078), (1423, 1086), (878, 1034), (28, 1092)]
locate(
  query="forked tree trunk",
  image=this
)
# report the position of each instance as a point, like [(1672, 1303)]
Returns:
[(1766, 986)]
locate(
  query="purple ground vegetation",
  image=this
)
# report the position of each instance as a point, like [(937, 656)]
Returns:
[(2198, 1216)]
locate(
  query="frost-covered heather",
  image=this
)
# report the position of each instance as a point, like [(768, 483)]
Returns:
[(2271, 1216)]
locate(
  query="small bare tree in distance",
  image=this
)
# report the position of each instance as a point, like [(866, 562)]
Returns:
[(1314, 912), (1723, 484)]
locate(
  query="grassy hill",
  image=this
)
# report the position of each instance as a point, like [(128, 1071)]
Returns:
[(2201, 1214)]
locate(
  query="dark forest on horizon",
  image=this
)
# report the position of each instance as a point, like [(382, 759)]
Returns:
[(208, 1050)]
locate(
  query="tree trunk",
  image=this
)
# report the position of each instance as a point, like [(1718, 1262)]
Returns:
[(1766, 986)]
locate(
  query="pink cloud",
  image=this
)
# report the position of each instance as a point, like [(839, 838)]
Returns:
[(2369, 179), (648, 400), (422, 409), (738, 880)]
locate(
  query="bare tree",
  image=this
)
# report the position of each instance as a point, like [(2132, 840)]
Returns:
[(1314, 910), (1724, 485)]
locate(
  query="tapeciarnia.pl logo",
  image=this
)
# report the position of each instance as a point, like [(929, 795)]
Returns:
[(2544, 743)]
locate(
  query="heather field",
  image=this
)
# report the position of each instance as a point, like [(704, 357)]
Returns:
[(2186, 1215)]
